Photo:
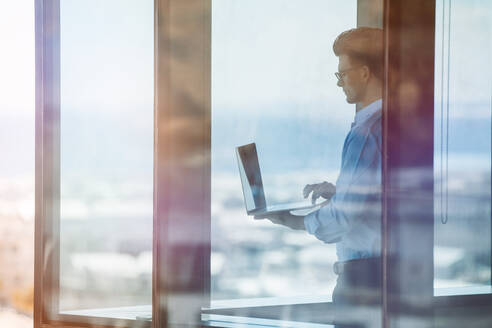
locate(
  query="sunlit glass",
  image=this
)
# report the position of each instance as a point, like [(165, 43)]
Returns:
[(341, 74)]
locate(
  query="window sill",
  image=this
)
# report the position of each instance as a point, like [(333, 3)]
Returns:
[(267, 301), (138, 312), (466, 290), (214, 320)]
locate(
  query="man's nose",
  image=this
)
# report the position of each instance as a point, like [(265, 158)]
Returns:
[(340, 82)]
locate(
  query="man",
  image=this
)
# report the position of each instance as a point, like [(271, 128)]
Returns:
[(352, 217)]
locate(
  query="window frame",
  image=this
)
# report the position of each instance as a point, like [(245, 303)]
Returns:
[(408, 266), (47, 178)]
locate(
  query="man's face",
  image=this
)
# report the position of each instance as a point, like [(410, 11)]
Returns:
[(352, 81)]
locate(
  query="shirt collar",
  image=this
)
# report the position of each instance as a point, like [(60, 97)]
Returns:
[(362, 115)]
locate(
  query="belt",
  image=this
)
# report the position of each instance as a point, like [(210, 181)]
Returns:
[(339, 267), (371, 263)]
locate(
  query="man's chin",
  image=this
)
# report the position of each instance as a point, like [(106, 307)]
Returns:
[(350, 100)]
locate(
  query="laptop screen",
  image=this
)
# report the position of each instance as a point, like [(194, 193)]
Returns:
[(249, 171)]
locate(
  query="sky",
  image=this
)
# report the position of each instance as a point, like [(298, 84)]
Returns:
[(17, 109), (107, 85), (17, 89), (272, 82), (279, 55), (276, 61)]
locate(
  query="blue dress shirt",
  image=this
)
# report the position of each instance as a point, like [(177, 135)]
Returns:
[(352, 218)]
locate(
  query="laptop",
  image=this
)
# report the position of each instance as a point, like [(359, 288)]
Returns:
[(253, 192)]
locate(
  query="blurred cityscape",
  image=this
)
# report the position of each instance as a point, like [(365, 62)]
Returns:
[(16, 252), (107, 262)]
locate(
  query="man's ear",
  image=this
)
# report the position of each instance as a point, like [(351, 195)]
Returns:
[(365, 73)]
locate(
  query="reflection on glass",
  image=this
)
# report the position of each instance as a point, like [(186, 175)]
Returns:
[(462, 146), (106, 154), (273, 84)]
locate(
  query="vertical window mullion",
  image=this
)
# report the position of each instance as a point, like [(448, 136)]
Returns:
[(408, 169)]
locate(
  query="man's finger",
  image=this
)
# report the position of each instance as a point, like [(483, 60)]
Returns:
[(307, 190), (315, 196), (275, 220)]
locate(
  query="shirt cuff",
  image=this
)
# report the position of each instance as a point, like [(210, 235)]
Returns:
[(311, 222)]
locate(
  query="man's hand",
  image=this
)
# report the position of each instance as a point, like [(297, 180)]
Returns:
[(324, 189), (285, 218)]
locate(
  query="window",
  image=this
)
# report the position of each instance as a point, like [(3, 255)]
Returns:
[(220, 74), (273, 84), (98, 160), (462, 148)]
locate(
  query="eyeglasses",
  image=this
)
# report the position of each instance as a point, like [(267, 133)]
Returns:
[(341, 74)]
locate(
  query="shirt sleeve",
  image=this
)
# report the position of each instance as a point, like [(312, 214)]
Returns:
[(356, 202)]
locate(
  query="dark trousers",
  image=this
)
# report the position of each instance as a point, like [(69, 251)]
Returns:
[(358, 286)]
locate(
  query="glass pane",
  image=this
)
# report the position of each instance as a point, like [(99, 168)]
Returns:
[(463, 91), (106, 157), (273, 84)]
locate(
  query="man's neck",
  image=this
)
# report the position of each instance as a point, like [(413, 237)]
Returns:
[(373, 92), (366, 102)]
